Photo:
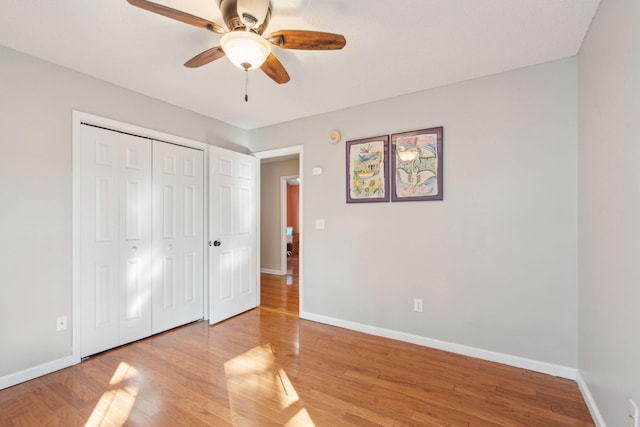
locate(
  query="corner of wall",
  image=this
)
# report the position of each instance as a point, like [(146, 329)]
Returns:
[(590, 401)]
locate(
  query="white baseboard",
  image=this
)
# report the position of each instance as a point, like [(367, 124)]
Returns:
[(591, 403), (506, 359), (35, 372), (271, 271)]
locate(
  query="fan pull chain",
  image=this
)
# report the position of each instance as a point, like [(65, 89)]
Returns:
[(246, 85)]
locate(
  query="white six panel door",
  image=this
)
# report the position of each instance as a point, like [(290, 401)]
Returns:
[(178, 236), (115, 239), (233, 254)]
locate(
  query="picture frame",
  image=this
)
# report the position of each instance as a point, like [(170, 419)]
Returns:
[(416, 165), (367, 172)]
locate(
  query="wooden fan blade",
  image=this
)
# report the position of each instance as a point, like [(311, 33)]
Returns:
[(205, 57), (273, 68), (178, 15), (308, 40)]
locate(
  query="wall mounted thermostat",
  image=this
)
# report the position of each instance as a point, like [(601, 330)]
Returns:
[(316, 171)]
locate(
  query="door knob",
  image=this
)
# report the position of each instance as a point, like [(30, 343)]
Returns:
[(215, 243)]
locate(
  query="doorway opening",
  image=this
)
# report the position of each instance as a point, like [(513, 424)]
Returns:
[(281, 248)]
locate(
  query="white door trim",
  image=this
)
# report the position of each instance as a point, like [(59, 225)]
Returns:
[(281, 152), (79, 117)]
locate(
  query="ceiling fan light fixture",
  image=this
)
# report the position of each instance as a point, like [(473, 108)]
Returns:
[(245, 49)]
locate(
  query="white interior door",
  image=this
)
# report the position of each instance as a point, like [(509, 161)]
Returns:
[(115, 243), (233, 229), (178, 233)]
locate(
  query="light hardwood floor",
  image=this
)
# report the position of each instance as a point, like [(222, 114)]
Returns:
[(281, 293), (267, 367)]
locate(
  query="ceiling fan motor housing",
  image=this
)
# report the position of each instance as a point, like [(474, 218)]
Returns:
[(246, 14), (243, 43)]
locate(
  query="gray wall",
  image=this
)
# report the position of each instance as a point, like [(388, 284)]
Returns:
[(495, 261), (270, 204), (36, 101), (609, 209)]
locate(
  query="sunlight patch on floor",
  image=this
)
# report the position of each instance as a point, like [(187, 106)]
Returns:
[(123, 373), (302, 418), (115, 405), (255, 382)]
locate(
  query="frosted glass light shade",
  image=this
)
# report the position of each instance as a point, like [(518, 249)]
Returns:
[(245, 49)]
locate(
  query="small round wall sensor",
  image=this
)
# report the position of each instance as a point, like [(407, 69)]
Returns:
[(334, 136)]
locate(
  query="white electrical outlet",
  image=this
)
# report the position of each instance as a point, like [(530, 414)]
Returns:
[(634, 416), (417, 305), (61, 323)]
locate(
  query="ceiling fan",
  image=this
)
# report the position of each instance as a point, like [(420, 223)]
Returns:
[(242, 41)]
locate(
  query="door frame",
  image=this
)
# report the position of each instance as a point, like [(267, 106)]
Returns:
[(284, 152), (78, 118)]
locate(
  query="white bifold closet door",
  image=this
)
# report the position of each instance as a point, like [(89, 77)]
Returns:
[(115, 239), (141, 238), (178, 236)]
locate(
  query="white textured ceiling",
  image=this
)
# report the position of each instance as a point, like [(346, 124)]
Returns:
[(393, 48)]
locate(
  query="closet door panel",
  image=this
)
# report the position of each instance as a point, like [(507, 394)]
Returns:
[(115, 239), (178, 229), (135, 238)]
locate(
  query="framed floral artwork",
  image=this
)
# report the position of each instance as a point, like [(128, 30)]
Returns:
[(367, 170), (416, 165)]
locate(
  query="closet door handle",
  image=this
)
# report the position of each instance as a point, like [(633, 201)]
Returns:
[(215, 243)]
